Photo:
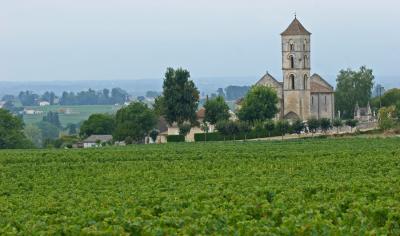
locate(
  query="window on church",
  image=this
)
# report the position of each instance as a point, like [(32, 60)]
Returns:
[(325, 100), (291, 81), (292, 62), (312, 100), (305, 45), (305, 82), (291, 46)]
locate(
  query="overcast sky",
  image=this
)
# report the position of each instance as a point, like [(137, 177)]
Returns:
[(132, 39)]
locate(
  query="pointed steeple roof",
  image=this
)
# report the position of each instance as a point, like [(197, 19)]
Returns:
[(296, 28)]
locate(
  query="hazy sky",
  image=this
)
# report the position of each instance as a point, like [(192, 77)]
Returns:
[(132, 39)]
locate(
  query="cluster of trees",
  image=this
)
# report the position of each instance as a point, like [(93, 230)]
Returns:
[(92, 97), (29, 98), (177, 103), (47, 133), (12, 131), (388, 106), (130, 124), (353, 87), (235, 92), (89, 97), (152, 94)]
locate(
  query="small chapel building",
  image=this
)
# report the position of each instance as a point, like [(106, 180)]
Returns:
[(301, 95)]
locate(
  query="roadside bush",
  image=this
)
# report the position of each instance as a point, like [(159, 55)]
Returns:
[(325, 124), (175, 138)]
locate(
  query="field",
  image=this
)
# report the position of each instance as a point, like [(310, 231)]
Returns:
[(308, 187), (70, 114)]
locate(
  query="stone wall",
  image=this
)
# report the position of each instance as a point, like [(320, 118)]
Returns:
[(322, 105)]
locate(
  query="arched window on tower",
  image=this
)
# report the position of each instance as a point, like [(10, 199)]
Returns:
[(305, 45), (305, 82), (292, 61), (291, 46), (291, 82)]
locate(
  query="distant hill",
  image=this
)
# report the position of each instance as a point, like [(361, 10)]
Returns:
[(206, 85), (134, 87)]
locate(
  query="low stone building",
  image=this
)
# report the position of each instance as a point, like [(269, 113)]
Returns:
[(364, 114)]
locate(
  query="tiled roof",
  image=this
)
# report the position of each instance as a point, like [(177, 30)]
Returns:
[(319, 85), (296, 28), (162, 124), (201, 113), (318, 88)]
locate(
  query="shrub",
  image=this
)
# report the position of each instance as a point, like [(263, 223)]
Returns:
[(269, 126), (313, 125), (298, 126), (325, 124), (184, 129), (282, 126), (352, 124), (337, 123), (244, 128), (175, 138), (153, 134)]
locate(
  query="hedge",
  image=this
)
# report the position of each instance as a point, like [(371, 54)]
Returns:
[(175, 138), (216, 136)]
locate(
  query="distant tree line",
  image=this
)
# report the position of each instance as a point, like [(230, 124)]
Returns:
[(89, 97), (92, 97)]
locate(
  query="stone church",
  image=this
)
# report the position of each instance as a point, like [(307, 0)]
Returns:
[(301, 95)]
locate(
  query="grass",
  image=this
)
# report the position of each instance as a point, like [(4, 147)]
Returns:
[(320, 186), (76, 115)]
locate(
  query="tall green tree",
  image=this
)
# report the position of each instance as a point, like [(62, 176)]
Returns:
[(181, 97), (34, 134), (159, 106), (216, 110), (52, 118), (48, 131), (71, 128), (12, 132), (97, 124), (134, 121), (260, 103), (353, 87), (389, 98)]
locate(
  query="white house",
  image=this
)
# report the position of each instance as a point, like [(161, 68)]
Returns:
[(96, 140), (32, 112), (44, 103)]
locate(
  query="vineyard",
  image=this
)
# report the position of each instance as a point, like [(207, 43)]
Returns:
[(307, 187)]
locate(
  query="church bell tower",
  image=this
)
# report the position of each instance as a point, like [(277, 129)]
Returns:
[(296, 71)]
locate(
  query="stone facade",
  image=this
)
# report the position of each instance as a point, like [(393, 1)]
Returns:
[(301, 95)]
